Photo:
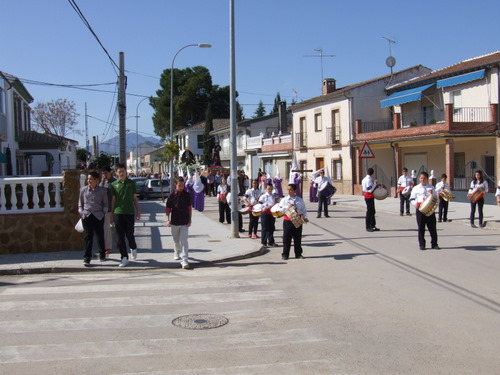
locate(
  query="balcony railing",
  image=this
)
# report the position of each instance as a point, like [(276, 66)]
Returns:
[(376, 126), (17, 195), (471, 114), (254, 142), (301, 140), (428, 117)]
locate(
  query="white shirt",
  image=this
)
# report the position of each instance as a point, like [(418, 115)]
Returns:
[(442, 185), (267, 200), (404, 181), (368, 185), (482, 186), (419, 193), (252, 195), (221, 189), (320, 180), (296, 201)]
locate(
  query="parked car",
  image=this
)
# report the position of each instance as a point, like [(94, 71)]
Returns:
[(139, 183), (154, 188)]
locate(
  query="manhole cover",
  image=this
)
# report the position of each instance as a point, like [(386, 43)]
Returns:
[(200, 321)]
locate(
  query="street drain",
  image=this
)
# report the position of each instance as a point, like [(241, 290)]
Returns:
[(200, 321)]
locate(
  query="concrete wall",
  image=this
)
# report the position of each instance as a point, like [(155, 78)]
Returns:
[(44, 232)]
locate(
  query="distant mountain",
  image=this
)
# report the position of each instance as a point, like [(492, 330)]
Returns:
[(112, 146)]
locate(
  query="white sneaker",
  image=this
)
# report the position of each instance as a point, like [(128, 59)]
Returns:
[(176, 256), (123, 263), (134, 253)]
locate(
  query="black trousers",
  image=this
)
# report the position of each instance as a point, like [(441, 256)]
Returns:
[(430, 222), (402, 202), (253, 224), (291, 233), (267, 229), (224, 212), (370, 213), (322, 204), (92, 225), (443, 209), (479, 204), (124, 225)]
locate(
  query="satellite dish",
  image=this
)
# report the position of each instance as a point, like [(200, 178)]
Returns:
[(390, 61)]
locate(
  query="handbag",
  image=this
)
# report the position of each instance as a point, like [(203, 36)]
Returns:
[(79, 226)]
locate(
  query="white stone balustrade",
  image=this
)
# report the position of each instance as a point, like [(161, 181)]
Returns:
[(17, 195)]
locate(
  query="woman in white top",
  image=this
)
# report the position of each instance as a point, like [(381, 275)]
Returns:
[(476, 194)]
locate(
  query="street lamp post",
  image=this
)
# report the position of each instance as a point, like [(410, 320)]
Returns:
[(200, 45), (137, 136)]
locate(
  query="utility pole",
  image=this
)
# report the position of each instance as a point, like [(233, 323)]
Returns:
[(87, 156), (122, 110), (232, 128)]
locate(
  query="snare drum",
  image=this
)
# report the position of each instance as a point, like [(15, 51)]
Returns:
[(244, 209), (327, 189), (476, 195), (406, 192), (294, 217), (276, 211), (429, 205), (381, 192), (257, 209)]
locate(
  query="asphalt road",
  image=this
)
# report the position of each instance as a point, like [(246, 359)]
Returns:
[(360, 303)]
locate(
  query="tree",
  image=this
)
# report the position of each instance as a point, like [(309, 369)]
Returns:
[(260, 111), (193, 92), (82, 155), (56, 117), (102, 161), (192, 88), (277, 102)]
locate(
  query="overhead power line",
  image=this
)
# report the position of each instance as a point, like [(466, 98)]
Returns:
[(87, 24)]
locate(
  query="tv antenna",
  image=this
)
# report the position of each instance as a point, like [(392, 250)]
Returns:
[(390, 61), (320, 55)]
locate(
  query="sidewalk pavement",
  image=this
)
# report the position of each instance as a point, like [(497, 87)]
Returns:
[(209, 241)]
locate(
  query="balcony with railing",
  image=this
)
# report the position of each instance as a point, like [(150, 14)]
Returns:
[(277, 143), (301, 140), (472, 114), (421, 118), (254, 143), (430, 121), (332, 137), (376, 126)]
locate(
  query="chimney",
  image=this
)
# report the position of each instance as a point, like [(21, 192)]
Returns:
[(328, 85), (282, 125)]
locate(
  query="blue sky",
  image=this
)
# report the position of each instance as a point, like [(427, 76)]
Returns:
[(45, 40)]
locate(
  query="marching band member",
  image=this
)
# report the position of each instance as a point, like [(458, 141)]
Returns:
[(268, 200), (321, 181), (443, 203), (404, 181), (418, 195), (478, 185), (368, 185), (251, 198), (289, 230), (224, 210)]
